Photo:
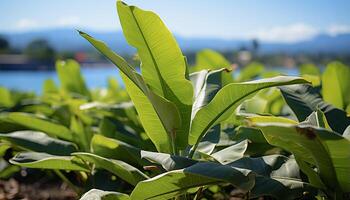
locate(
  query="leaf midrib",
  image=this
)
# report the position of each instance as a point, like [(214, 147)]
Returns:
[(151, 54), (230, 105)]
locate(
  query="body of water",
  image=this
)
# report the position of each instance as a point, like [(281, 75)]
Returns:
[(33, 80), (94, 77)]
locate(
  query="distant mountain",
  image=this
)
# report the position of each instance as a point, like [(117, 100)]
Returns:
[(69, 40)]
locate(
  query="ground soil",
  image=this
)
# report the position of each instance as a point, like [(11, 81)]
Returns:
[(40, 190)]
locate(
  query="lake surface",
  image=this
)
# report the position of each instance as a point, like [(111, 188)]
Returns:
[(94, 77)]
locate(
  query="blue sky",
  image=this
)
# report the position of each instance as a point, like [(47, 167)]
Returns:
[(269, 20)]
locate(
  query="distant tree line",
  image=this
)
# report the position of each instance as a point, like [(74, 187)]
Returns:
[(40, 50)]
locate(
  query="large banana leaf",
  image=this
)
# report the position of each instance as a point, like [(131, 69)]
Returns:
[(159, 117), (163, 66), (115, 149), (121, 169), (257, 145), (113, 128), (39, 142), (276, 176), (227, 100), (206, 84), (33, 122), (95, 194), (326, 150), (336, 84), (231, 153), (176, 182), (47, 161), (303, 100)]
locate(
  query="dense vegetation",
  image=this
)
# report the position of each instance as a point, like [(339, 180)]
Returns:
[(199, 135)]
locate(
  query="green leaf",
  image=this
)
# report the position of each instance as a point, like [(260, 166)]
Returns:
[(82, 136), (209, 59), (276, 176), (271, 119), (309, 69), (40, 142), (3, 148), (257, 105), (232, 153), (250, 72), (49, 86), (336, 85), (116, 129), (258, 145), (115, 149), (33, 122), (227, 100), (212, 60), (303, 100), (206, 84), (162, 64), (159, 117), (121, 169), (317, 119), (168, 162), (326, 150), (208, 143), (70, 78), (5, 98), (47, 161), (96, 194), (177, 182)]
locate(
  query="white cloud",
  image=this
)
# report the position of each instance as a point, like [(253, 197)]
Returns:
[(25, 23), (68, 21), (288, 34), (337, 29)]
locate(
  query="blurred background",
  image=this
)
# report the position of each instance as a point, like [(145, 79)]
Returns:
[(280, 34)]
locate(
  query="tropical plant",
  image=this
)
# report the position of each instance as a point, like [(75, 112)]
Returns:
[(204, 135)]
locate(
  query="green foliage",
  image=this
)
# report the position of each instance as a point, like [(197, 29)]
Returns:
[(168, 134), (177, 182), (71, 80), (47, 161), (336, 85), (123, 170), (309, 69), (250, 71), (39, 142), (5, 98), (314, 147)]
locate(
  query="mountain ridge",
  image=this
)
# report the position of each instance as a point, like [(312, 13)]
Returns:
[(66, 39)]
